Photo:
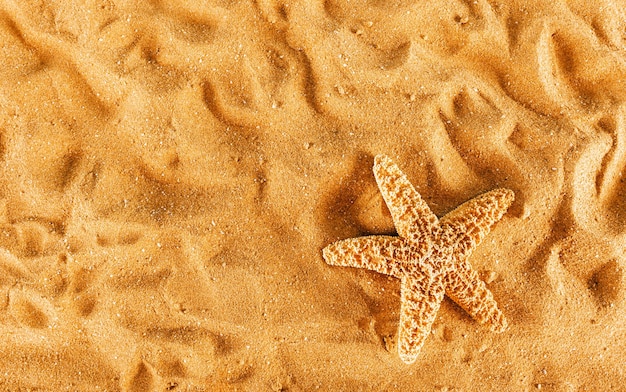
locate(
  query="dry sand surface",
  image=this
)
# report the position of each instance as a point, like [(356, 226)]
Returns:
[(171, 170)]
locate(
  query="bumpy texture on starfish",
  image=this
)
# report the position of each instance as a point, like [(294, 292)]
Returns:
[(429, 256)]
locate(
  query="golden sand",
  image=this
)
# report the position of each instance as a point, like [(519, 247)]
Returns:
[(171, 170)]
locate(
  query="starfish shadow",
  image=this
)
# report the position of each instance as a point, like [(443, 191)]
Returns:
[(354, 207)]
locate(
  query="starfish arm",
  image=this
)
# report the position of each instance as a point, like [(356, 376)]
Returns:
[(470, 223), (463, 286), (411, 215), (382, 254), (420, 301)]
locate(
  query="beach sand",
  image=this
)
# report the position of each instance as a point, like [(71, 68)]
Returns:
[(171, 170)]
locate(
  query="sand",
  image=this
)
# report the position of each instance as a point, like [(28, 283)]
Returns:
[(171, 170)]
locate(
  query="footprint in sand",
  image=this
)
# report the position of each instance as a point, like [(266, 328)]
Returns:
[(598, 181), (30, 309), (607, 283)]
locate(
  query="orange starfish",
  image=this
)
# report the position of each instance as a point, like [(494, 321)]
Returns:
[(429, 256)]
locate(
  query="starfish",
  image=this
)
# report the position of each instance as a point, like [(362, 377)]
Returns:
[(430, 255)]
